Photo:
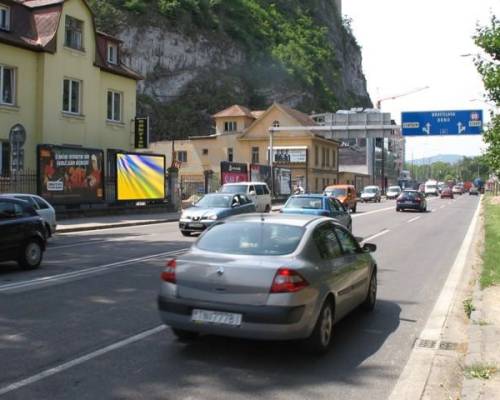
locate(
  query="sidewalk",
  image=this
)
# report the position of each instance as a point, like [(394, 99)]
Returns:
[(113, 221)]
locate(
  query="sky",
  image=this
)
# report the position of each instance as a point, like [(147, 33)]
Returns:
[(410, 44)]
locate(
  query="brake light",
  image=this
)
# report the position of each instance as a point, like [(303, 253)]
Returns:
[(417, 199), (287, 281), (169, 274)]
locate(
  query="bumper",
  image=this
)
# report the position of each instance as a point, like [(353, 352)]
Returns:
[(195, 226), (368, 198), (258, 322), (403, 206)]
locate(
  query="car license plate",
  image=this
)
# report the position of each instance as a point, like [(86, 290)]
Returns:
[(408, 202), (216, 317), (196, 225)]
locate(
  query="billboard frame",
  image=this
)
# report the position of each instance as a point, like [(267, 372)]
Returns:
[(134, 153)]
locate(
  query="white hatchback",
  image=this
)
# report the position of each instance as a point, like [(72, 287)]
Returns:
[(258, 192)]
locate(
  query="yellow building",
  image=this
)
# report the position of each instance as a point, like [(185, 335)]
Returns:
[(61, 81), (242, 136)]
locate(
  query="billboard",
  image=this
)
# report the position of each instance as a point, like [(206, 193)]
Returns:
[(260, 173), (282, 181), (140, 176), (432, 123), (231, 172), (291, 154), (70, 175)]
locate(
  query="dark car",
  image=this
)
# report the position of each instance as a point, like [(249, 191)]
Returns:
[(24, 236), (473, 191), (316, 204), (212, 208), (411, 200), (447, 193)]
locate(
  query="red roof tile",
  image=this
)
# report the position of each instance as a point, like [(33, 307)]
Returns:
[(235, 111)]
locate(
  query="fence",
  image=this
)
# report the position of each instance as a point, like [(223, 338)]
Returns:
[(23, 182), (195, 185)]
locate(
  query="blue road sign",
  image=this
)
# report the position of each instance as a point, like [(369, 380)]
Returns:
[(432, 123)]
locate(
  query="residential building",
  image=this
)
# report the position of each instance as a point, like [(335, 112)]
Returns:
[(61, 81), (243, 136)]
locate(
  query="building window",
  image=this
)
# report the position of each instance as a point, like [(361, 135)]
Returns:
[(112, 53), (230, 126), (74, 33), (276, 124), (316, 156), (114, 106), (334, 159), (7, 85), (255, 155), (323, 156), (4, 18), (71, 96), (182, 156), (327, 157), (317, 184), (205, 152), (230, 154)]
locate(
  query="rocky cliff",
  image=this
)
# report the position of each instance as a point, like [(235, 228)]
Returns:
[(200, 56)]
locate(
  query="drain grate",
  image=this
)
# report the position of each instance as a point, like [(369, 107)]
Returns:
[(427, 344), (448, 346)]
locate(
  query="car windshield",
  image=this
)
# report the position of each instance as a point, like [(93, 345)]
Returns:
[(336, 192), (431, 187), (370, 190), (251, 238), (234, 189), (216, 201), (312, 203), (409, 195)]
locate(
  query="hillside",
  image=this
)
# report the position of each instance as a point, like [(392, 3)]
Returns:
[(200, 56), (446, 158)]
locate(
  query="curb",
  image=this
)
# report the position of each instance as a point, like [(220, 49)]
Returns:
[(117, 225)]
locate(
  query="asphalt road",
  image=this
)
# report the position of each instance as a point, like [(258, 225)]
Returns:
[(85, 325)]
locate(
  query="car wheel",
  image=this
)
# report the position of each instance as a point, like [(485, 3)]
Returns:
[(268, 209), (185, 336), (371, 296), (186, 233), (321, 336), (31, 255), (398, 209), (354, 208)]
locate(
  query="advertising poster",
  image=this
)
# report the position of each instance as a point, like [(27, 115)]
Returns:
[(70, 175), (260, 173), (233, 172), (140, 177), (282, 181), (290, 155)]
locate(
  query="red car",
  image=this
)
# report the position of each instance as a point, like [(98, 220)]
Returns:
[(447, 193)]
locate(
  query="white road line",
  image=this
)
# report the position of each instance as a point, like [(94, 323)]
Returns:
[(413, 219), (78, 274), (80, 360), (90, 231), (103, 240), (376, 235), (412, 381), (372, 212), (442, 206)]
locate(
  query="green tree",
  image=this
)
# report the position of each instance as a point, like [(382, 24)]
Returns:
[(488, 39)]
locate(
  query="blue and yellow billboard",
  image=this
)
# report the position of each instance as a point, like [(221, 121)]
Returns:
[(140, 176)]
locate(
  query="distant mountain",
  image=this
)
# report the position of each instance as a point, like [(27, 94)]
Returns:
[(447, 158)]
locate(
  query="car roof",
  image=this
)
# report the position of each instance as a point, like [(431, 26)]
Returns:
[(244, 183), (410, 190), (18, 194), (339, 186), (309, 195), (284, 219), (12, 199)]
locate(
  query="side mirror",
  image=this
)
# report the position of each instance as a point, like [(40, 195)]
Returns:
[(234, 205), (369, 248), (252, 193)]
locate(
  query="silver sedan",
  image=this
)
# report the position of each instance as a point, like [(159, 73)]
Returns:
[(270, 277)]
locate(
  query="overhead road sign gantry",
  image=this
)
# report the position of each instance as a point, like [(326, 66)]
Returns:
[(437, 123)]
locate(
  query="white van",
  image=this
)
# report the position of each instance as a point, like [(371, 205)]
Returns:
[(257, 191), (431, 188)]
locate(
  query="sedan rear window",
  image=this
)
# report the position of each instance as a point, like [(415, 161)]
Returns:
[(311, 203), (234, 189), (251, 238)]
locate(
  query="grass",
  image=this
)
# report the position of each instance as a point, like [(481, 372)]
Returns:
[(491, 271), (480, 371), (468, 307)]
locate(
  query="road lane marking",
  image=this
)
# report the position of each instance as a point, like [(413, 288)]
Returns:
[(46, 280), (80, 360), (412, 381), (372, 212), (377, 235), (413, 219), (104, 240), (90, 231)]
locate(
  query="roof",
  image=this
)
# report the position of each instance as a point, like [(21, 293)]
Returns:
[(301, 117), (301, 220), (235, 111)]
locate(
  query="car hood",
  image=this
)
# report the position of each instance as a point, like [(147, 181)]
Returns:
[(201, 212), (342, 199), (367, 194)]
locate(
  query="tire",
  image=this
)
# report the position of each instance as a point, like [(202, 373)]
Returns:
[(354, 208), (185, 336), (186, 233), (321, 336), (31, 255), (398, 209), (268, 209), (371, 296)]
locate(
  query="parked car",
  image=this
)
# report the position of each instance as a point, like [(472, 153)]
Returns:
[(393, 192), (371, 193), (411, 200), (346, 194), (273, 277), (212, 208), (316, 204), (457, 189), (473, 191), (447, 193), (24, 233), (258, 192), (42, 208)]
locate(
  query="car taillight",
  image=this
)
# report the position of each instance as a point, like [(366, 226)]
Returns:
[(287, 280), (417, 199), (169, 274)]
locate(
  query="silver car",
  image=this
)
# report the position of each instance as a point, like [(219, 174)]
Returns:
[(42, 208), (270, 277)]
